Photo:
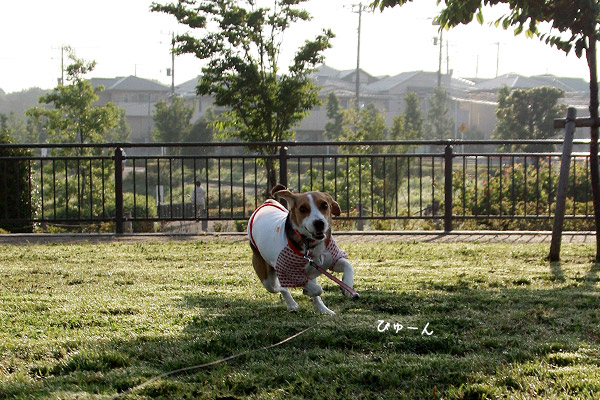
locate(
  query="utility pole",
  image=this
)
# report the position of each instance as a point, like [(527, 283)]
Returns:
[(497, 58), (62, 65), (357, 79), (62, 49), (173, 64), (439, 82), (435, 40)]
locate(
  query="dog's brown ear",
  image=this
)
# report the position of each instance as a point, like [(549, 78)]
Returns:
[(335, 207), (277, 188), (288, 196)]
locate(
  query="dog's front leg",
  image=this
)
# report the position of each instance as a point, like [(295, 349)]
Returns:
[(342, 265), (314, 291)]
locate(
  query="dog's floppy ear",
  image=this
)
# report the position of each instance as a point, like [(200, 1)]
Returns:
[(288, 196), (277, 188), (335, 207)]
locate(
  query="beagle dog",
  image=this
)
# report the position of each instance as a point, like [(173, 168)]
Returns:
[(280, 239)]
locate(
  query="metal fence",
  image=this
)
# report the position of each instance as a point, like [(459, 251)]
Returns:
[(381, 185)]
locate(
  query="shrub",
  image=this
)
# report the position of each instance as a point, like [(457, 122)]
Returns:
[(520, 191), (15, 197)]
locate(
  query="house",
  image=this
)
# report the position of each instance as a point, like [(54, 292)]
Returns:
[(472, 101), (138, 97)]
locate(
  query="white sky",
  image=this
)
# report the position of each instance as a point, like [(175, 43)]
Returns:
[(125, 38)]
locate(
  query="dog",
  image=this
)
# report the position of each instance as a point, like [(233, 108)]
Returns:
[(280, 237)]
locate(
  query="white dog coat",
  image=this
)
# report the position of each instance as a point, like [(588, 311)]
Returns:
[(266, 231)]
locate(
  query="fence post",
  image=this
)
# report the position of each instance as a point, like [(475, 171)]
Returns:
[(119, 190), (283, 172), (448, 156), (563, 181)]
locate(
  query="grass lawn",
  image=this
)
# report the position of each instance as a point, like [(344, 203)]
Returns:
[(94, 320)]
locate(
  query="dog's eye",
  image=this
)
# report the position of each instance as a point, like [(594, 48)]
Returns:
[(303, 209), (324, 206)]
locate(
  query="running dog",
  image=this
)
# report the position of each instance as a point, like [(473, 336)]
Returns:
[(281, 239)]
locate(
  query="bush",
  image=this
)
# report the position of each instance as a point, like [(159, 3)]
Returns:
[(15, 197), (522, 192)]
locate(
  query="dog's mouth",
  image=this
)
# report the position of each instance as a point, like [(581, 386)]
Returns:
[(318, 236)]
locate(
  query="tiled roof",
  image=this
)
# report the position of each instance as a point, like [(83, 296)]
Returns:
[(130, 83), (515, 81), (390, 82)]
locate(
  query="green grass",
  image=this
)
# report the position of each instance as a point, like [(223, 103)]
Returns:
[(94, 320)]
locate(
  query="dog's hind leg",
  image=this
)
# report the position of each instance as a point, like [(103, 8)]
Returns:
[(314, 291), (272, 285), (269, 279)]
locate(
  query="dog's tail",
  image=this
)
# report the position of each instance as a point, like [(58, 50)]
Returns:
[(276, 189)]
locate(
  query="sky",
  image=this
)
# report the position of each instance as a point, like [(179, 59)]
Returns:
[(125, 38)]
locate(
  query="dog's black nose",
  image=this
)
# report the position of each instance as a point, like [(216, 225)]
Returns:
[(319, 225)]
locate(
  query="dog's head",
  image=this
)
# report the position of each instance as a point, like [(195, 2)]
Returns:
[(310, 212)]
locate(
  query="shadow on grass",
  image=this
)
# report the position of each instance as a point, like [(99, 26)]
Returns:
[(476, 333), (556, 270)]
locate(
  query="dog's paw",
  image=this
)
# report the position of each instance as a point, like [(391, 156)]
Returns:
[(346, 293), (322, 308), (292, 307)]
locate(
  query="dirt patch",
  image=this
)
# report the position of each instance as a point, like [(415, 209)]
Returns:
[(342, 237)]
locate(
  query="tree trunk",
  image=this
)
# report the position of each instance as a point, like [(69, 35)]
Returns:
[(271, 166), (594, 172)]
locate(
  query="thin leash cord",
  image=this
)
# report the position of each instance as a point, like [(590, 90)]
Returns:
[(210, 364)]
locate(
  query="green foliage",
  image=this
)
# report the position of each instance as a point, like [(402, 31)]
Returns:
[(19, 102), (172, 120), (528, 114), (241, 44), (439, 124), (334, 127), (15, 127), (413, 119), (519, 191), (15, 195), (76, 188), (121, 131), (366, 124), (72, 117), (569, 23)]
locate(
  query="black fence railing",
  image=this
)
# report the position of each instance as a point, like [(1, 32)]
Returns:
[(381, 185)]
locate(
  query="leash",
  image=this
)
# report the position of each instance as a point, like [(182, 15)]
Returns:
[(210, 364), (322, 270)]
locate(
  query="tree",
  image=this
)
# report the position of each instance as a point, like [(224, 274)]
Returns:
[(120, 133), (439, 124), (172, 121), (364, 124), (528, 114), (202, 131), (413, 118), (241, 44), (573, 23), (14, 127), (72, 117), (334, 128)]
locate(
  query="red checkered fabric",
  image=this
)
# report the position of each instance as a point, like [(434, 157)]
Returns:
[(290, 268), (291, 265)]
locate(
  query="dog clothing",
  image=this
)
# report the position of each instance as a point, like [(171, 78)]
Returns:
[(266, 230)]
